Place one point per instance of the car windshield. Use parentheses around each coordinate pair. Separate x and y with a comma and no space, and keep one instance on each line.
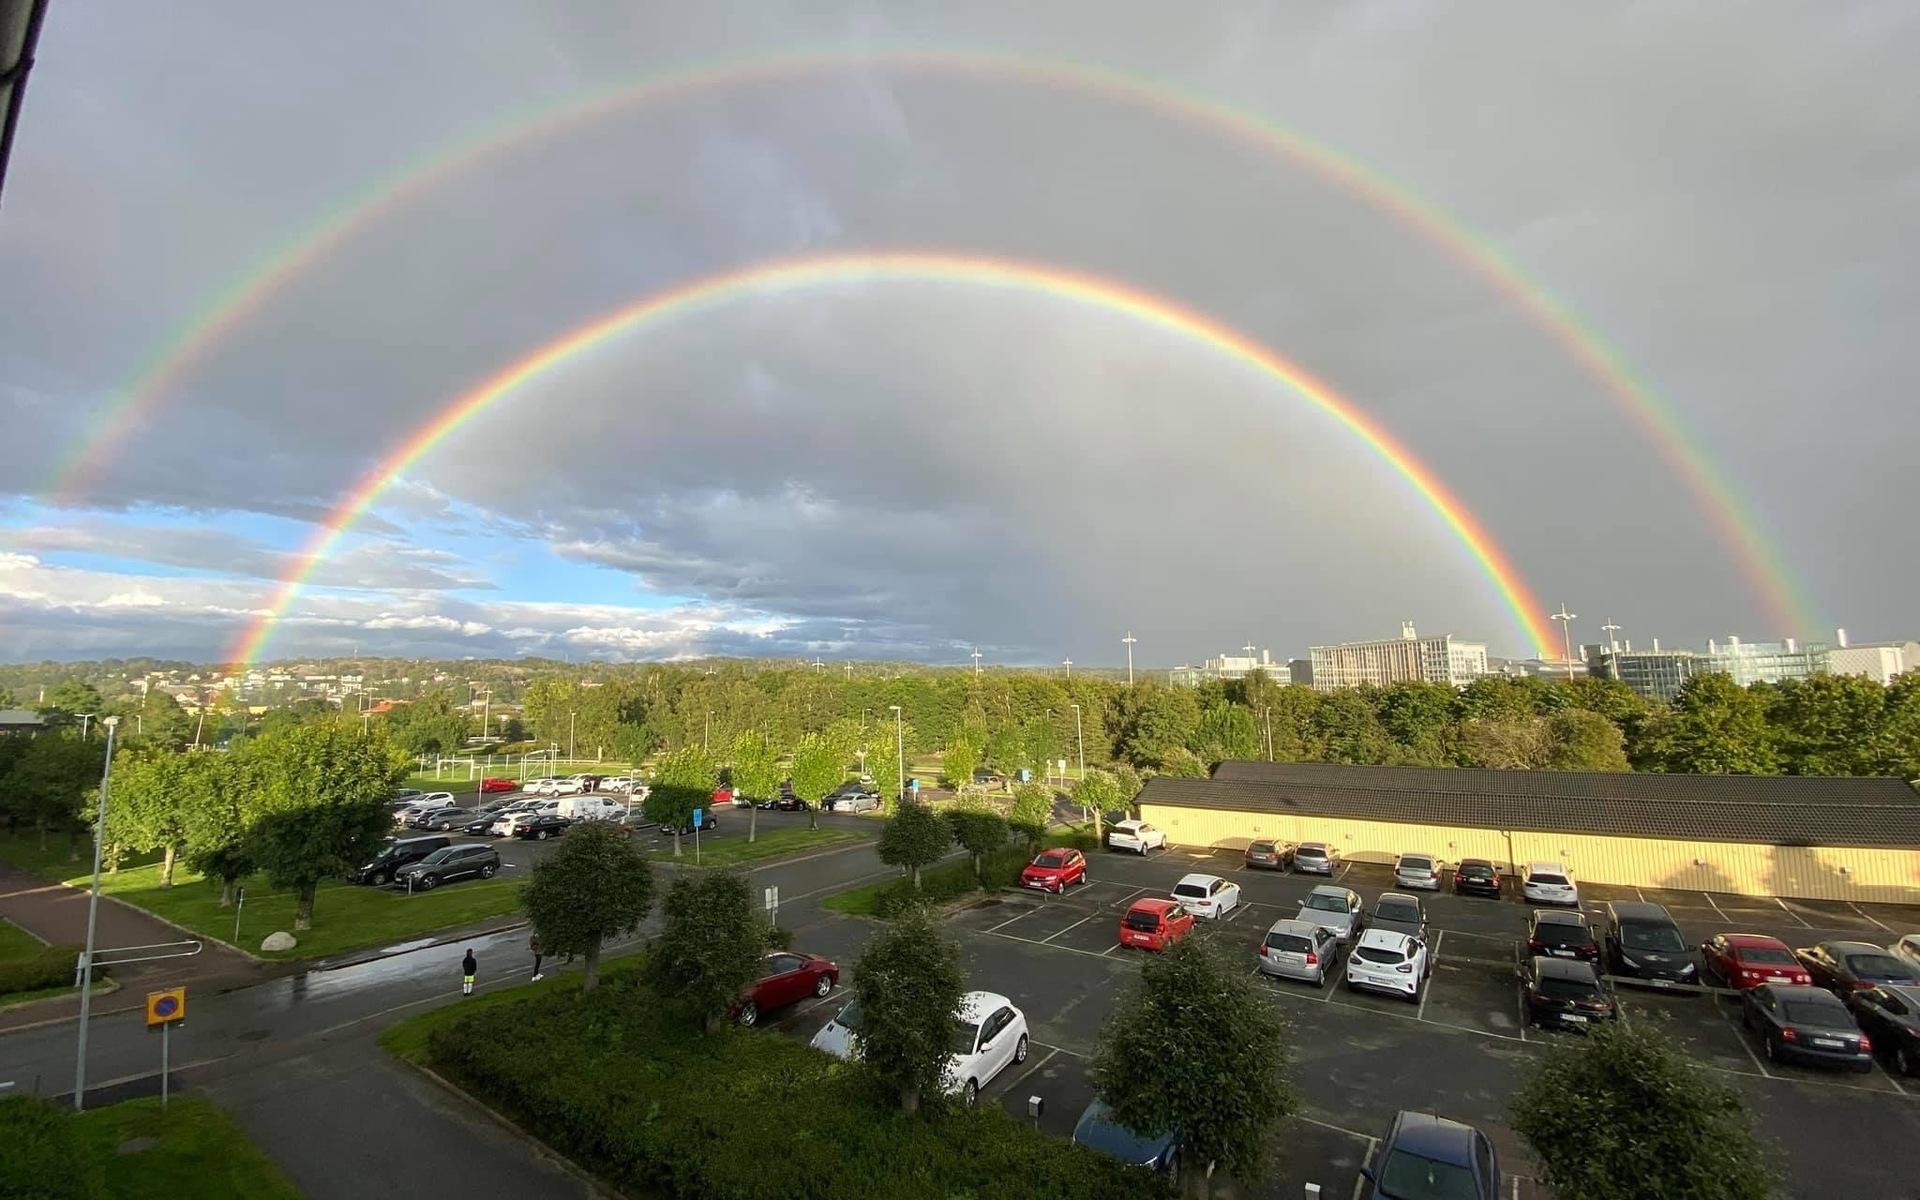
(1561,988)
(1766,956)
(1310,852)
(438,856)
(1397,910)
(1407,1176)
(1651,937)
(1549,880)
(1050,860)
(964,1037)
(1145,922)
(1877,967)
(1416,864)
(1320,902)
(1814,1012)
(1190,889)
(1472,871)
(1379,954)
(1260,848)
(1292,943)
(1553,933)
(849,1017)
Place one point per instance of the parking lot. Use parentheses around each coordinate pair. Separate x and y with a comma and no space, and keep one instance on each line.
(1360,1057)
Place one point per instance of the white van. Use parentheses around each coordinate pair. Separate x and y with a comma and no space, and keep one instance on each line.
(589,808)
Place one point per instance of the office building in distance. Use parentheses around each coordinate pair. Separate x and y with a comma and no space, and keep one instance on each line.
(1654,673)
(1443,659)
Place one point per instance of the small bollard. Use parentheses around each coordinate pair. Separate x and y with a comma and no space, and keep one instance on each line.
(1313,1191)
(1034,1105)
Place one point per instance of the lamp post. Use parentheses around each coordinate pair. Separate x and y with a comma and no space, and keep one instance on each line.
(1129,640)
(1613,646)
(900,746)
(1069,665)
(84,718)
(1080,740)
(1566,635)
(706,731)
(93,914)
(976,661)
(571,746)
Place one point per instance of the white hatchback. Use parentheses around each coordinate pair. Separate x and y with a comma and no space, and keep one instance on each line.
(1207,896)
(1549,883)
(1137,836)
(1387,961)
(992,1037)
(1417,871)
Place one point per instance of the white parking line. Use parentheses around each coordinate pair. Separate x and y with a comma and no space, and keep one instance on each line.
(1010,920)
(1740,1032)
(1428,990)
(1641,894)
(1804,924)
(1075,925)
(1521,1003)
(1890,1079)
(1026,1074)
(1352,1133)
(1867,915)
(1014,937)
(1344,868)
(1129,898)
(1716,907)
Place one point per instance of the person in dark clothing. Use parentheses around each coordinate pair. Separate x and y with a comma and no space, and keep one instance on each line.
(533,944)
(469,967)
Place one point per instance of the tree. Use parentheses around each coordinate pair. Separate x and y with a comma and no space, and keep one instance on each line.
(1417,717)
(1829,724)
(1182,763)
(819,766)
(909,983)
(1153,721)
(1098,793)
(1897,747)
(1031,812)
(1505,743)
(959,761)
(50,782)
(1345,729)
(1716,727)
(979,830)
(1625,1114)
(710,945)
(914,837)
(682,781)
(1582,740)
(325,796)
(68,699)
(1175,1054)
(148,805)
(221,803)
(595,885)
(756,774)
(1226,731)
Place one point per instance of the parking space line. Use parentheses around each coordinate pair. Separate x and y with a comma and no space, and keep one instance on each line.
(1741,1033)
(1010,920)
(1428,990)
(1642,895)
(1796,916)
(1075,925)
(1520,1002)
(1869,916)
(1344,868)
(1026,1074)
(1352,1133)
(1129,897)
(1055,1049)
(1014,937)
(1716,907)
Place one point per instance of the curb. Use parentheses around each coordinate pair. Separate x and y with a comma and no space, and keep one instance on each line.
(464,935)
(194,934)
(593,1183)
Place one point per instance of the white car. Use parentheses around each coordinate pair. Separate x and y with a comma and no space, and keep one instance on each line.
(1137,836)
(1549,883)
(992,1034)
(1907,950)
(1207,896)
(1387,961)
(542,786)
(402,813)
(508,823)
(1416,870)
(1337,908)
(840,1036)
(573,785)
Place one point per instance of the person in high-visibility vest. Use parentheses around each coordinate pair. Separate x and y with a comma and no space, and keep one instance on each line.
(469,967)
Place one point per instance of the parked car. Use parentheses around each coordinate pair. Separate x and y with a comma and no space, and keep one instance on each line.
(542,785)
(394,854)
(1271,856)
(1399,912)
(1417,871)
(480,823)
(407,796)
(510,821)
(1564,992)
(1428,1156)
(404,813)
(1386,961)
(1907,950)
(1643,944)
(1315,858)
(786,976)
(497,783)
(589,808)
(1743,960)
(1207,896)
(1548,883)
(989,781)
(541,826)
(1053,870)
(722,796)
(1843,967)
(1807,1025)
(1155,924)
(992,1037)
(787,803)
(1556,934)
(465,861)
(1337,908)
(840,1036)
(1098,1131)
(1476,877)
(708,823)
(1137,836)
(572,785)
(424,818)
(1891,1017)
(852,798)
(1296,949)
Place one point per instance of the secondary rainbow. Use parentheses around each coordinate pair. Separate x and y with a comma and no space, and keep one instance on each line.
(1736,527)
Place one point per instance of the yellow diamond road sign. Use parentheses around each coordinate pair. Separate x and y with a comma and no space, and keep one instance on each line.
(164,1008)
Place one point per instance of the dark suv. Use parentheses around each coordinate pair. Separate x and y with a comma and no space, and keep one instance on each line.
(1644,945)
(467,861)
(397,853)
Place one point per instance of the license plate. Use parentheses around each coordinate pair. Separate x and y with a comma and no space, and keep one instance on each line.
(1829,1043)
(1561,953)
(1661,983)
(1573,1018)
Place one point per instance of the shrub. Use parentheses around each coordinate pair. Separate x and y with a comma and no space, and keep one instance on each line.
(43,1159)
(52,967)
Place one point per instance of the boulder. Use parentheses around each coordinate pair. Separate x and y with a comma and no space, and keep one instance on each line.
(278,941)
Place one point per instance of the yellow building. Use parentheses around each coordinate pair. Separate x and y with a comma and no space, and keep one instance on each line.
(1822,839)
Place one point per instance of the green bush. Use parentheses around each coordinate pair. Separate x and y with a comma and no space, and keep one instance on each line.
(609,1080)
(42,1159)
(952,880)
(50,968)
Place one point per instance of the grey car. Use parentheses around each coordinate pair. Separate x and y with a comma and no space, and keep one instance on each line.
(1296,949)
(1337,908)
(1315,858)
(1399,912)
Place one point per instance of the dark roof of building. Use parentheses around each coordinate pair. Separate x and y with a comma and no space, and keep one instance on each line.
(1771,810)
(21,718)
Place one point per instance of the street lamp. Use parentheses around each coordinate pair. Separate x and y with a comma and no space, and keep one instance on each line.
(976,660)
(900,745)
(571,744)
(1080,738)
(705,731)
(93,915)
(1129,640)
(1613,645)
(84,718)
(1566,635)
(1069,665)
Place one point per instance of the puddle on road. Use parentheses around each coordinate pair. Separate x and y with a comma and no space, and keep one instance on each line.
(403,947)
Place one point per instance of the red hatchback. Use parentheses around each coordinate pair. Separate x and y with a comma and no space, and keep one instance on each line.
(1053,870)
(1155,924)
(786,976)
(494,783)
(1747,960)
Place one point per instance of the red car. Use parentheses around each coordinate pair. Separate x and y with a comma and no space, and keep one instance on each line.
(494,783)
(1053,870)
(1747,960)
(786,976)
(1155,924)
(722,796)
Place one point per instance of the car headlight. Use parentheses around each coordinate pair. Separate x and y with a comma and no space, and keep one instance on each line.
(1687,970)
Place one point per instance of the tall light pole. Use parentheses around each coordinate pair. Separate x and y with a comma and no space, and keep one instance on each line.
(900,746)
(1613,645)
(571,747)
(1566,634)
(84,718)
(976,661)
(1129,640)
(849,667)
(93,915)
(706,731)
(1069,665)
(1080,738)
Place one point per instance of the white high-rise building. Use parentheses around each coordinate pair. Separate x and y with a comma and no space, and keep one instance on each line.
(1443,659)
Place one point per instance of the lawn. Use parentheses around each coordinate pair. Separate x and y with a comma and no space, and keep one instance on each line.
(200,1152)
(16,943)
(770,843)
(345,917)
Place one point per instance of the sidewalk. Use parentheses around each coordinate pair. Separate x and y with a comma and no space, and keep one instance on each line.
(57,914)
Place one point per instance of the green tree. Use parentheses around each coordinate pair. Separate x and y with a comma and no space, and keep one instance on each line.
(819,766)
(909,983)
(959,761)
(1896,749)
(682,781)
(1031,812)
(1345,729)
(914,837)
(148,806)
(1226,731)
(1417,716)
(325,804)
(595,885)
(1716,727)
(68,699)
(1625,1113)
(50,782)
(1098,793)
(979,830)
(756,774)
(635,740)
(1504,742)
(1829,724)
(1182,763)
(221,798)
(1175,1054)
(1154,721)
(711,945)
(1582,740)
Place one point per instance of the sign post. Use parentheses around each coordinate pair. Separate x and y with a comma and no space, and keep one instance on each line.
(698,813)
(773,904)
(164,1009)
(239,902)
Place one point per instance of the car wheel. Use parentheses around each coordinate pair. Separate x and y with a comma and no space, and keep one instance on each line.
(823,985)
(1172,1163)
(1020,1049)
(540,835)
(427,883)
(972,1094)
(749,1013)
(1773,1050)
(487,871)
(381,879)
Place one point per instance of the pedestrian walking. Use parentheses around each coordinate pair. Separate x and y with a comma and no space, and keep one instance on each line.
(469,967)
(533,944)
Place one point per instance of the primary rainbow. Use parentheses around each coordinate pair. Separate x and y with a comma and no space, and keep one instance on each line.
(910,266)
(1737,528)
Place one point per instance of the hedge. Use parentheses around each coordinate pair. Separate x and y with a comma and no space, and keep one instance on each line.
(953,879)
(52,967)
(608,1080)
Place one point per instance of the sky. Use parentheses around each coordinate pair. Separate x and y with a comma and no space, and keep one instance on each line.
(900,468)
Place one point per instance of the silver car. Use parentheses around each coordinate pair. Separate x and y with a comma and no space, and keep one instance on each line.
(1315,858)
(1337,908)
(1399,912)
(1295,949)
(1417,870)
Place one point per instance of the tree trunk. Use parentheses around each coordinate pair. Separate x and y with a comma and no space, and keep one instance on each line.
(977,876)
(591,977)
(753,821)
(43,834)
(226,893)
(813,815)
(909,1100)
(1096,825)
(676,843)
(916,877)
(166,869)
(303,909)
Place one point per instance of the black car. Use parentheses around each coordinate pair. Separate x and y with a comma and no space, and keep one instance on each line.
(1565,993)
(1843,967)
(1805,1024)
(1890,1015)
(1557,933)
(542,827)
(1644,945)
(708,822)
(480,820)
(444,817)
(394,854)
(1398,912)
(466,861)
(1476,877)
